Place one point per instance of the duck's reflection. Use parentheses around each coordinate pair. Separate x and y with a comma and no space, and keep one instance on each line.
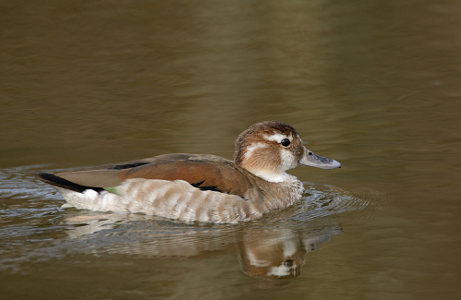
(269,251)
(279,252)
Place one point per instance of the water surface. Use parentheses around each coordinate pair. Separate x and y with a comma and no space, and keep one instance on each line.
(373,84)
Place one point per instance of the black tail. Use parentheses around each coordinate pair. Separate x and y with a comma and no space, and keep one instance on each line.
(63,183)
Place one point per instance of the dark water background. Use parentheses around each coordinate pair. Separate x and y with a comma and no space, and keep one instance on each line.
(373,84)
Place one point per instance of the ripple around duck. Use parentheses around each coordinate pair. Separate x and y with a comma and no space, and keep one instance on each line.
(17,183)
(24,200)
(325,200)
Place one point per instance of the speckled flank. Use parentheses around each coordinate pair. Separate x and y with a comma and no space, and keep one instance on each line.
(177,200)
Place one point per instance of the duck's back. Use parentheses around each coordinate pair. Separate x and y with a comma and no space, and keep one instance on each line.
(203,171)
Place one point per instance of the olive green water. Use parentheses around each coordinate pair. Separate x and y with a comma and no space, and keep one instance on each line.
(373,84)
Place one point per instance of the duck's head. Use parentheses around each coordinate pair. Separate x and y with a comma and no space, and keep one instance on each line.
(268,149)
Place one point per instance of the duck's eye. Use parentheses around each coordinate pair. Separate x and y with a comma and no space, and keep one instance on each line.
(288,263)
(285,142)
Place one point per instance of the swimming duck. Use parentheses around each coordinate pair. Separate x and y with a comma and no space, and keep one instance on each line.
(199,187)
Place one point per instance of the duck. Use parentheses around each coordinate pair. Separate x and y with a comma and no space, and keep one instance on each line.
(202,188)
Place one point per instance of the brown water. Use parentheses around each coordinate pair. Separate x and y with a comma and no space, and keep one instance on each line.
(373,84)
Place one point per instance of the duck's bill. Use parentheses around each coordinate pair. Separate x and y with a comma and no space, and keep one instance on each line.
(314,160)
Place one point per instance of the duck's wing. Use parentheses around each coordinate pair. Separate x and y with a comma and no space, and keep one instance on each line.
(206,172)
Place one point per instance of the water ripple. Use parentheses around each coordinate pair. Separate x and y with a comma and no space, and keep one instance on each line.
(325,200)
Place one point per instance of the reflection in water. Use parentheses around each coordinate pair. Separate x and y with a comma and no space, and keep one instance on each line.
(279,252)
(271,251)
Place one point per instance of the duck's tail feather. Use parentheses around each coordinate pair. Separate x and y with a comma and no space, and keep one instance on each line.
(64,183)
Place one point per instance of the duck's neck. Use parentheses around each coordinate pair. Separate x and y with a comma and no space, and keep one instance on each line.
(275,177)
(267,172)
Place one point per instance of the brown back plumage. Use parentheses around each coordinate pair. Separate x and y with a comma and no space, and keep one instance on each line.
(206,172)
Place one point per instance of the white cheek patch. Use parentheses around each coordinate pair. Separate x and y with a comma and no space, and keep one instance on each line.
(251,149)
(288,160)
(277,137)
